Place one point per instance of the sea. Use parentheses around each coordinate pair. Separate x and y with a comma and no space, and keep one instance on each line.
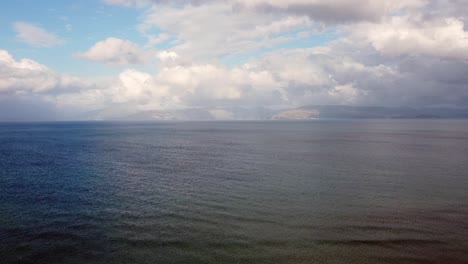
(319,191)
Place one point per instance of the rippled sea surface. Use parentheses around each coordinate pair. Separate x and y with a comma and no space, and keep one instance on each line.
(376,191)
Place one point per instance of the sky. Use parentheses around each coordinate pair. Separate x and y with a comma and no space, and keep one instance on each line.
(62,59)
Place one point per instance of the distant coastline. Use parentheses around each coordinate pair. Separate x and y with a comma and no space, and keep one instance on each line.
(311,112)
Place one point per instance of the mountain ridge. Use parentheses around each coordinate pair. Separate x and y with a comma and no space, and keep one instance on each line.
(301,113)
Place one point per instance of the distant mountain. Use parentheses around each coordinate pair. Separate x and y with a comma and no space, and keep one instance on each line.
(351,112)
(125,113)
(202,114)
(297,114)
(195,114)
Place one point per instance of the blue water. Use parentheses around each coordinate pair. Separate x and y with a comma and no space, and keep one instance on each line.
(336,191)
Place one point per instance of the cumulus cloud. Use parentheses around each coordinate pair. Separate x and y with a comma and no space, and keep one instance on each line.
(392,53)
(35,35)
(116,51)
(414,35)
(247,26)
(25,75)
(215,30)
(29,90)
(334,11)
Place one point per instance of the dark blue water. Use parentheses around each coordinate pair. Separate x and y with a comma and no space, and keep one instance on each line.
(378,191)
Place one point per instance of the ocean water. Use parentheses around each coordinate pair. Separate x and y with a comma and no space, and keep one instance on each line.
(325,191)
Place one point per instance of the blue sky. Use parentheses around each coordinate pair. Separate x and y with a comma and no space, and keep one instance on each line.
(90,21)
(80,24)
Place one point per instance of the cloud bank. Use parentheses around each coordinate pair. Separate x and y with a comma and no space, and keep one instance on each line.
(388,53)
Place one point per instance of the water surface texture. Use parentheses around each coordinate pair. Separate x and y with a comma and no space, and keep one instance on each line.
(374,191)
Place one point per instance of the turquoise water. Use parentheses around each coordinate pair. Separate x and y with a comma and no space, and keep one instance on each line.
(336,191)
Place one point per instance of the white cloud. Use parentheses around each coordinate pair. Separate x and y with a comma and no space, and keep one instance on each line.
(35,35)
(387,53)
(32,90)
(167,55)
(336,11)
(30,76)
(116,51)
(132,85)
(210,31)
(414,35)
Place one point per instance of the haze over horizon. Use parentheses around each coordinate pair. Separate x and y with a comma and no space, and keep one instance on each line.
(60,60)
